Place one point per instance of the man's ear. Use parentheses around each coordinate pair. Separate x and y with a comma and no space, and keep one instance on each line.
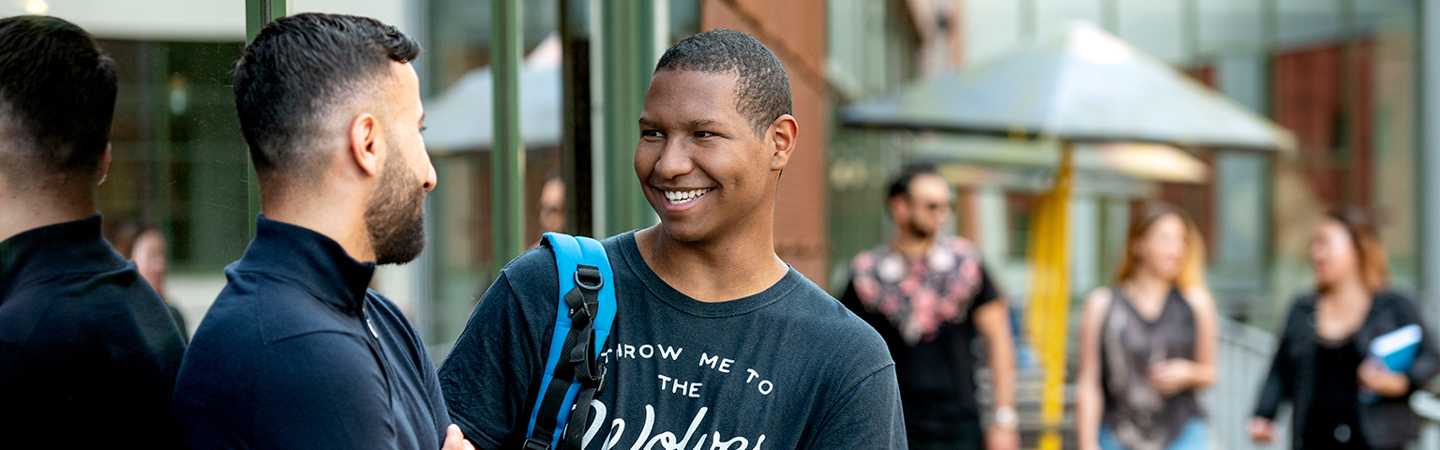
(104,165)
(783,133)
(899,207)
(364,140)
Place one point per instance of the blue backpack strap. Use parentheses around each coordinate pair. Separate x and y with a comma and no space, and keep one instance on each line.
(583,318)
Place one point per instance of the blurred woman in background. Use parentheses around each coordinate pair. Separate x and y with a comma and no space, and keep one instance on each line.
(1149,342)
(145,246)
(1342,398)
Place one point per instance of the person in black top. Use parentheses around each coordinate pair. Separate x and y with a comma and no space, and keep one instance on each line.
(81,335)
(296,352)
(928,294)
(1149,343)
(717,343)
(1343,397)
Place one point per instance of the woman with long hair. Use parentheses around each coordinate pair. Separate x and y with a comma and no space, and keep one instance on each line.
(1148,343)
(1344,398)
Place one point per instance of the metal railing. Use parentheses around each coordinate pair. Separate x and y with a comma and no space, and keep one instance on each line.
(1243,362)
(1427,406)
(1245,354)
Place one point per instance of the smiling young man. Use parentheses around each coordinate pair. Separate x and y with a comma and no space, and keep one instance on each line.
(296,352)
(717,344)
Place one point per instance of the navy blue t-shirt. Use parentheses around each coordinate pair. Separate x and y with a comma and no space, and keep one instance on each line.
(88,352)
(788,368)
(297,353)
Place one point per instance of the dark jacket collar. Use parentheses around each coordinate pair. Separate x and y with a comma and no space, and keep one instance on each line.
(317,263)
(54,250)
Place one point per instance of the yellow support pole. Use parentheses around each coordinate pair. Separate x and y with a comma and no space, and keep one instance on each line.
(1049,307)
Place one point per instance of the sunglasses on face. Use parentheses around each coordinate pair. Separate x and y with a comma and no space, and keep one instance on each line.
(932,206)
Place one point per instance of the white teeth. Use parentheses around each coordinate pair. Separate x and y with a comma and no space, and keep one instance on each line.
(682,197)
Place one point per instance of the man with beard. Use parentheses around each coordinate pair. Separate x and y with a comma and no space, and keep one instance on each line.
(927,294)
(716,342)
(81,334)
(296,351)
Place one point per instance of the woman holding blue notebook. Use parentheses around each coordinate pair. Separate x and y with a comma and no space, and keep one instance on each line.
(1351,352)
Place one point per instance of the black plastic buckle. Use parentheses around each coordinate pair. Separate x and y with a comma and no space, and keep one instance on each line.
(534,443)
(588,278)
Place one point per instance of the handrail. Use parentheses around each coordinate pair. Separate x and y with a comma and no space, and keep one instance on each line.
(1426,405)
(1243,361)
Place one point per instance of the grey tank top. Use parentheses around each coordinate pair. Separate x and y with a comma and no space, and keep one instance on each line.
(1141,418)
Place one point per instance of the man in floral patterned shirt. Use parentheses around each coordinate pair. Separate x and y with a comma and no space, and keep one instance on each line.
(928,295)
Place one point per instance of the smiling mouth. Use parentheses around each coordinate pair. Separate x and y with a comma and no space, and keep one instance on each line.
(683,197)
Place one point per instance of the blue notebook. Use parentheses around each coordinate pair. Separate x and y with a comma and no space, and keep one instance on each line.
(1397,348)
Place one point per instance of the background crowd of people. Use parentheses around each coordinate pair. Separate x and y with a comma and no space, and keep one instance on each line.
(297,349)
(1148,343)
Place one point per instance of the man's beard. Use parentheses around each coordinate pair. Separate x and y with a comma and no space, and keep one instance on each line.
(395,218)
(917,230)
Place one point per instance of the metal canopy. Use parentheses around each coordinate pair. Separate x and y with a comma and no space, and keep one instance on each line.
(1084,85)
(1138,161)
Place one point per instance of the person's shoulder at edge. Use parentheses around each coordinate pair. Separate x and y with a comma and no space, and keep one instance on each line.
(91,301)
(530,287)
(256,329)
(1295,321)
(828,320)
(1400,305)
(853,358)
(1097,302)
(228,339)
(312,387)
(254,310)
(395,315)
(1392,296)
(1303,303)
(87,284)
(960,244)
(535,271)
(237,307)
(1199,299)
(393,312)
(532,270)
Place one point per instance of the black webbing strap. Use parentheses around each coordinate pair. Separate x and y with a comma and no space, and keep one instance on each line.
(579,364)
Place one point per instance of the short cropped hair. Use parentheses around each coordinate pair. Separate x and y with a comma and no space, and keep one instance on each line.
(762,90)
(297,70)
(900,185)
(57,97)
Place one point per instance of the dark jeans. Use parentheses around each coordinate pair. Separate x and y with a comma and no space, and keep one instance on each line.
(972,437)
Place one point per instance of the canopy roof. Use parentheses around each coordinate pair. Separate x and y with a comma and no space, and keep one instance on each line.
(1085,85)
(462,118)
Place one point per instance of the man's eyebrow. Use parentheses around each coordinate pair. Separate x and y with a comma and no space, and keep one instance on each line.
(697,123)
(422,118)
(703,123)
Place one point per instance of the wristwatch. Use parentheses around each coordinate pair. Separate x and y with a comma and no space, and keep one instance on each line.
(1005,418)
